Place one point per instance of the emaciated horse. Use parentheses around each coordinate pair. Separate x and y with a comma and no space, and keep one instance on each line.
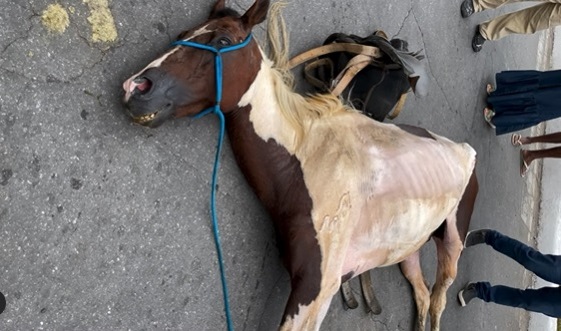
(346,193)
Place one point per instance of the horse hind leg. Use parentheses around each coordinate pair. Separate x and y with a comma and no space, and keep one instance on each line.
(448,249)
(411,269)
(465,208)
(449,244)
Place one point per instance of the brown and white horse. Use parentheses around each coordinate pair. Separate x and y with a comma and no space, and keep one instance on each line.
(346,193)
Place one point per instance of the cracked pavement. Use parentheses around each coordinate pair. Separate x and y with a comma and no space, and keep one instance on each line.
(105,225)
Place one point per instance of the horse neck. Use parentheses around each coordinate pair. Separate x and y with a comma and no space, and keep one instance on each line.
(263,141)
(266,165)
(269,122)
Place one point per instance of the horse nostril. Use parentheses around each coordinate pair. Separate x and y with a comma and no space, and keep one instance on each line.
(143,85)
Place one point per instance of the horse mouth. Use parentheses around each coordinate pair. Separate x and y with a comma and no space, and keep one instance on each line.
(145,119)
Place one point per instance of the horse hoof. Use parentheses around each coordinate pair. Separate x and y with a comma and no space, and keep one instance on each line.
(348,296)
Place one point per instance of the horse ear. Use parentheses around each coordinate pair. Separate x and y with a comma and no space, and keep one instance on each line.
(218,6)
(256,14)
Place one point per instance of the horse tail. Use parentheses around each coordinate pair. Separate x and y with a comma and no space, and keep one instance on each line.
(278,41)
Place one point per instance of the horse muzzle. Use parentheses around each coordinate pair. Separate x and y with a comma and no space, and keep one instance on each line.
(151,97)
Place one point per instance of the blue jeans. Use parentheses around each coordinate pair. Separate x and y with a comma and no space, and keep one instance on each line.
(545,300)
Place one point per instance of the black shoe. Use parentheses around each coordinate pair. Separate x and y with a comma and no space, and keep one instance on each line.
(475,237)
(477,41)
(467,294)
(466,8)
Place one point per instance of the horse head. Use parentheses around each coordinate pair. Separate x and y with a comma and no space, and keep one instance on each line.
(183,81)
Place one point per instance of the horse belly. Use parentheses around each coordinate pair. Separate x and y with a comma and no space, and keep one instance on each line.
(387,235)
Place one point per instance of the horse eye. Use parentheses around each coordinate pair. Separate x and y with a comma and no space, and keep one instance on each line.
(224,41)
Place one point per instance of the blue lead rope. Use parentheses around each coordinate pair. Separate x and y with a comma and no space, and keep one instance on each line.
(218,112)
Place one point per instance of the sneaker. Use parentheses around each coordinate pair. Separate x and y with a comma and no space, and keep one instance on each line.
(467,294)
(475,237)
(466,8)
(477,41)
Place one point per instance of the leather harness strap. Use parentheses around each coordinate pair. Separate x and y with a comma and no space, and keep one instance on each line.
(353,67)
(335,47)
(311,78)
(365,56)
(398,106)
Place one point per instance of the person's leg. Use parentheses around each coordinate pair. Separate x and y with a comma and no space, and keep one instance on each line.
(547,267)
(525,21)
(546,138)
(544,300)
(481,5)
(530,155)
(468,7)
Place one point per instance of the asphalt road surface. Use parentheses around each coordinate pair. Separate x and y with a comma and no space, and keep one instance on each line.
(105,225)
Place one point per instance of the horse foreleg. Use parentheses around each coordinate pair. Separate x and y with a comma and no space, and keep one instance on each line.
(312,287)
(309,316)
(329,248)
(411,269)
(448,248)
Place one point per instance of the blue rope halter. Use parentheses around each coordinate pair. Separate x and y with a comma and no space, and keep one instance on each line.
(218,112)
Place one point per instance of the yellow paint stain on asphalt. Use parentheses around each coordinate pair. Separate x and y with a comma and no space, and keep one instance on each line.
(55,18)
(101,21)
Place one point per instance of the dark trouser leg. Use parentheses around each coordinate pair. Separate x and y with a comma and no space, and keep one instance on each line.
(544,300)
(547,267)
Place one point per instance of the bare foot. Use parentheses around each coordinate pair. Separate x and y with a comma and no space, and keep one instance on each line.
(524,163)
(488,114)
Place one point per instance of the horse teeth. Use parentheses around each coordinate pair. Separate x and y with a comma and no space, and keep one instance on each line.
(145,118)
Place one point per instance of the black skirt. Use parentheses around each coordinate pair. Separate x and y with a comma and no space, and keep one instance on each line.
(524,98)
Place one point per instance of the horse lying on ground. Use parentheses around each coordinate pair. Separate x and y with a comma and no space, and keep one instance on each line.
(346,193)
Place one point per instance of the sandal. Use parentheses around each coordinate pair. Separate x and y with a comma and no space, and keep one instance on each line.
(490,89)
(523,165)
(488,115)
(516,139)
